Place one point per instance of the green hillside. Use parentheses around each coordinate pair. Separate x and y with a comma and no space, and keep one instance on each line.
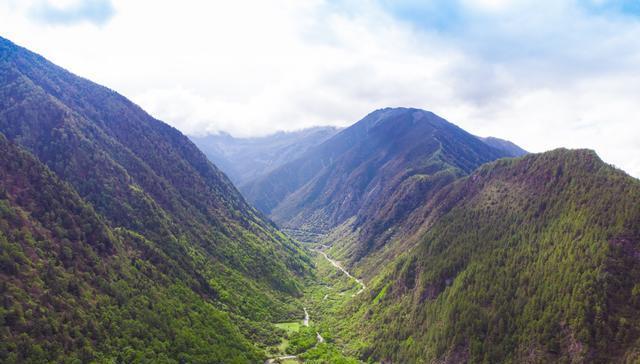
(534,259)
(75,290)
(179,233)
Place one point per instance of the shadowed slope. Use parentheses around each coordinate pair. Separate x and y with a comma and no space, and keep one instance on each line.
(146,178)
(369,178)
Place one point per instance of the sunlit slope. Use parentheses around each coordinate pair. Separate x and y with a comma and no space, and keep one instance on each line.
(535,259)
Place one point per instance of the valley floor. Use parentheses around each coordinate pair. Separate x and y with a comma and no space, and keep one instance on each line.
(315,338)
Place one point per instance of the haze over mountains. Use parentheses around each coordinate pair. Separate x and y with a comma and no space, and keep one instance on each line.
(121,242)
(246,159)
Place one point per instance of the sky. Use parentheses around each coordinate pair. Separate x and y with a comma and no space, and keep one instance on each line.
(543,74)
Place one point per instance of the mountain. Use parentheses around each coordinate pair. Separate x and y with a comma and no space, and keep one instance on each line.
(535,259)
(374,172)
(75,289)
(121,242)
(127,213)
(246,159)
(506,146)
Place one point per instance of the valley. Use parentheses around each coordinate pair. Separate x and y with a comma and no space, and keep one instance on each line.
(339,266)
(399,239)
(332,288)
(450,234)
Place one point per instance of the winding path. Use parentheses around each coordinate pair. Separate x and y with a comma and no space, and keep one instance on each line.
(305,322)
(337,264)
(306,319)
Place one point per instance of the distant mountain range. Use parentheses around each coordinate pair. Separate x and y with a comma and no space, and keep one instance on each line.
(246,159)
(504,145)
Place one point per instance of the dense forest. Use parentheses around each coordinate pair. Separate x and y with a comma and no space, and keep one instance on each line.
(135,244)
(529,260)
(75,290)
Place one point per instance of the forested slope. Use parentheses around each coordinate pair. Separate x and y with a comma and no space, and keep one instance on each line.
(171,210)
(75,289)
(535,259)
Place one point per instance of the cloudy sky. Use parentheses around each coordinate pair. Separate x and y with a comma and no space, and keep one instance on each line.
(543,74)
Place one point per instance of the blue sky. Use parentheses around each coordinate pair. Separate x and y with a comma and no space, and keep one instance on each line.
(450,16)
(94,11)
(542,73)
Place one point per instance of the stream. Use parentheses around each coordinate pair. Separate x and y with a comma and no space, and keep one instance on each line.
(306,319)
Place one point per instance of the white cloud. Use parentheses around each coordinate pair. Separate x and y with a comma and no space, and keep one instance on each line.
(543,74)
(490,5)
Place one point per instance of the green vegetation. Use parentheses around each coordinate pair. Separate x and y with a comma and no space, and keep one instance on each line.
(289,327)
(301,340)
(530,260)
(119,240)
(74,290)
(367,170)
(325,294)
(286,330)
(326,353)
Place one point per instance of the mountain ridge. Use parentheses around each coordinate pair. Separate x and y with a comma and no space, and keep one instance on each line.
(509,147)
(369,176)
(177,212)
(57,251)
(476,286)
(121,242)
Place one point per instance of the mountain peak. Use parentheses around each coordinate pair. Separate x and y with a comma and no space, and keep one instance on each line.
(364,165)
(548,166)
(5,41)
(399,120)
(528,233)
(394,112)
